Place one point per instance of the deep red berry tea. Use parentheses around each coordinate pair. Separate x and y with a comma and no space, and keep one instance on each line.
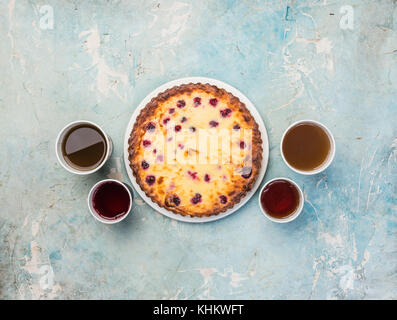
(111,200)
(280,198)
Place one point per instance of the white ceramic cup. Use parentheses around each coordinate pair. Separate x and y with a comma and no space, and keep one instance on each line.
(331,153)
(58,147)
(95,213)
(293,215)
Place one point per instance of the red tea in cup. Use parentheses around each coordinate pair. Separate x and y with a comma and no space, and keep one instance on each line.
(110,200)
(280,198)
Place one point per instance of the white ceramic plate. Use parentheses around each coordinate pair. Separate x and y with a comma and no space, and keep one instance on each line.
(254,113)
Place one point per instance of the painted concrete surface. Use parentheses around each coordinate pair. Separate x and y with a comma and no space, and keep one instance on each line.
(293,59)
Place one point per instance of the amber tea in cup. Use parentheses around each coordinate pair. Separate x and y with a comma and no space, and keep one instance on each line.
(307,147)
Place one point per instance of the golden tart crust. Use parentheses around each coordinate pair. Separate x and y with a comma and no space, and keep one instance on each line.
(194,188)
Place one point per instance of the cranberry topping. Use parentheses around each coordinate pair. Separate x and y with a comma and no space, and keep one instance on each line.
(247,171)
(178,128)
(213,124)
(192,129)
(197,101)
(226,112)
(150,180)
(183,119)
(180,145)
(175,200)
(166,120)
(146,143)
(171,110)
(144,165)
(193,175)
(236,127)
(181,103)
(223,199)
(207,177)
(150,126)
(196,199)
(242,144)
(213,102)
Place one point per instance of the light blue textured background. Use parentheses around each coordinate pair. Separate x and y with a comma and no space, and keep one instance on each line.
(291,58)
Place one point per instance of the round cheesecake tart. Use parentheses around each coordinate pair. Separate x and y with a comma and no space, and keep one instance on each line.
(195,150)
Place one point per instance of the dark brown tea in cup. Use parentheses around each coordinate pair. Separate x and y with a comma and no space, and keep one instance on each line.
(306,146)
(84,147)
